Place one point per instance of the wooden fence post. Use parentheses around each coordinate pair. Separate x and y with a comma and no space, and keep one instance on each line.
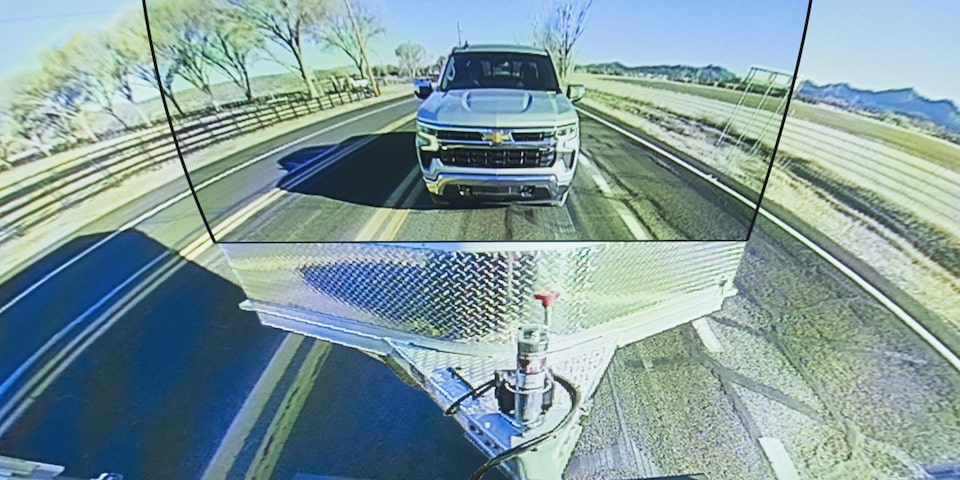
(256,113)
(276,113)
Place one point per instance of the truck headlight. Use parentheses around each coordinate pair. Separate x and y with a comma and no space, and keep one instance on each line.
(568,137)
(568,131)
(421,128)
(427,138)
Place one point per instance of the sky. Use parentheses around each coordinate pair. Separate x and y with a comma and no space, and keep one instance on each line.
(877,44)
(884,44)
(26,28)
(633,32)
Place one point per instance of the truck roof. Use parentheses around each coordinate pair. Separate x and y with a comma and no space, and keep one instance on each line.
(500,49)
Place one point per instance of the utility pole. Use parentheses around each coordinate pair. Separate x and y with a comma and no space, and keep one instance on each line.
(459,35)
(363,49)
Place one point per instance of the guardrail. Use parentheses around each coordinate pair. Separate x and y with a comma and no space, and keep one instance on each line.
(30,202)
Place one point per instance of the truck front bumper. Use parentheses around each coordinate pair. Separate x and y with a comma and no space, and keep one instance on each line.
(492,188)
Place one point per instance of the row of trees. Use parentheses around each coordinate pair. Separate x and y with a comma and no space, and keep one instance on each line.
(193,40)
(93,76)
(194,37)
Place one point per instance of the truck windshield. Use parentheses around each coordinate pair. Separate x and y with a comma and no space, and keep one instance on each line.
(499,70)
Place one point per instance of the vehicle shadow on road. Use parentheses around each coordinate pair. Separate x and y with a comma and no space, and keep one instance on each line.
(157,384)
(382,172)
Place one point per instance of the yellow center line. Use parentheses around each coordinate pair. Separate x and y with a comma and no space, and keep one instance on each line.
(384,225)
(282,423)
(195,248)
(392,228)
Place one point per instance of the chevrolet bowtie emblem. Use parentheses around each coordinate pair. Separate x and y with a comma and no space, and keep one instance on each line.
(498,136)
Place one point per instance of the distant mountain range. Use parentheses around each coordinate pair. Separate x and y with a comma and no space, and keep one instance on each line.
(708,74)
(904,101)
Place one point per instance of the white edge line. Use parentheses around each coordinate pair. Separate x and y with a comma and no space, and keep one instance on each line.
(140,219)
(899,312)
(202,242)
(91,248)
(602,184)
(674,158)
(626,216)
(68,355)
(707,336)
(63,331)
(636,229)
(190,252)
(776,453)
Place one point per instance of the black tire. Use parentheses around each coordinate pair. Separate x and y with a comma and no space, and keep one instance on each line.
(438,200)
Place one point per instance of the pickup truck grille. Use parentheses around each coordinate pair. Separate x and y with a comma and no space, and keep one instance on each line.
(531,136)
(498,158)
(459,135)
(462,135)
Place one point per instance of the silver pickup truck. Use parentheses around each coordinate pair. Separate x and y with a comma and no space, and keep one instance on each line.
(498,128)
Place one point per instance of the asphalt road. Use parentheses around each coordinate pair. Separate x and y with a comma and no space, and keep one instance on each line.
(136,360)
(170,361)
(360,181)
(166,365)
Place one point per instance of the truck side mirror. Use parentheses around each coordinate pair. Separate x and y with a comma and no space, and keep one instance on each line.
(576,92)
(423,91)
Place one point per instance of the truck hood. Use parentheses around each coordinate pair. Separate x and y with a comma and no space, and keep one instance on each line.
(497,108)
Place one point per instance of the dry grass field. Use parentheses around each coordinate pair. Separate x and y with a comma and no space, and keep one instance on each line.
(888,195)
(809,358)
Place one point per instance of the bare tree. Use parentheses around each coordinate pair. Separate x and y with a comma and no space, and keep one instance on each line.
(129,43)
(559,30)
(412,57)
(49,99)
(233,41)
(348,29)
(7,137)
(181,38)
(288,23)
(31,126)
(20,121)
(83,65)
(120,69)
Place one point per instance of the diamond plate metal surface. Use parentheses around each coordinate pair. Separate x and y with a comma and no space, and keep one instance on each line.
(477,296)
(445,316)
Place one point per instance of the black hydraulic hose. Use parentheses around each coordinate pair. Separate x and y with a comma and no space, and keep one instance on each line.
(476,392)
(522,448)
